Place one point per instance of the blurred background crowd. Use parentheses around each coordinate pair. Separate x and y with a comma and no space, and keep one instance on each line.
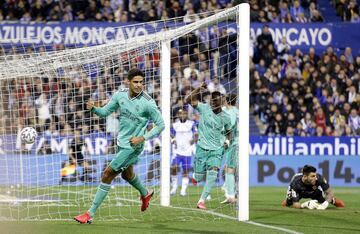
(292,92)
(276,11)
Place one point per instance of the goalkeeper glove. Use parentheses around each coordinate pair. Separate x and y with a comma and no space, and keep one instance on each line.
(323,205)
(313,204)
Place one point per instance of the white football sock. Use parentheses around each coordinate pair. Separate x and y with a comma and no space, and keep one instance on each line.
(184,185)
(174,183)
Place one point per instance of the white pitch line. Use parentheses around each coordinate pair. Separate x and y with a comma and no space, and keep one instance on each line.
(212,213)
(219,215)
(273,227)
(233,218)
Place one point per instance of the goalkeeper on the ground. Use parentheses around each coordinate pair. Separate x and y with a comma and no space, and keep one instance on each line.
(136,109)
(309,184)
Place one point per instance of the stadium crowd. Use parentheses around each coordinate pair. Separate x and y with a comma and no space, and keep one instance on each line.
(264,11)
(293,93)
(348,10)
(305,93)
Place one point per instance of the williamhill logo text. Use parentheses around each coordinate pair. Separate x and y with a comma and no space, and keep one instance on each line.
(304,146)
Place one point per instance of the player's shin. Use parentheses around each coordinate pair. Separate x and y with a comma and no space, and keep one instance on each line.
(211,176)
(100,195)
(184,185)
(136,183)
(174,184)
(230,184)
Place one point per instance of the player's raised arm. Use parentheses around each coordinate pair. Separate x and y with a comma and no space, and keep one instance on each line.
(192,98)
(106,110)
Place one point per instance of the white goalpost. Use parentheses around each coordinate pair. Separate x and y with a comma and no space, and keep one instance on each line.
(243,104)
(166,107)
(46,87)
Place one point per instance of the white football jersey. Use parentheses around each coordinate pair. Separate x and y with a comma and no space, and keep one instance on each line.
(183,133)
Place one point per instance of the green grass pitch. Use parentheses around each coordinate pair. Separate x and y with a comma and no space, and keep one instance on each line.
(126,218)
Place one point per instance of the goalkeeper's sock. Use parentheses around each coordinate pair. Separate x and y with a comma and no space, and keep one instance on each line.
(210,182)
(100,195)
(136,183)
(184,185)
(230,184)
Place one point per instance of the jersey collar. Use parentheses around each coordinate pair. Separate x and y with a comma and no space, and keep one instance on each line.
(135,96)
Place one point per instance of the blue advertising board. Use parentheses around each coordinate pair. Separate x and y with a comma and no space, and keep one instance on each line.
(278,170)
(303,36)
(273,160)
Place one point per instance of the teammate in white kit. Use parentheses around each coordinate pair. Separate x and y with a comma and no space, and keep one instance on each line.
(183,137)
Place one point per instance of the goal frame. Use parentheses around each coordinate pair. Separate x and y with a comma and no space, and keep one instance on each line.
(243,28)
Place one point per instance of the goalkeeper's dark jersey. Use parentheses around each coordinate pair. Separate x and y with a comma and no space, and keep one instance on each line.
(298,189)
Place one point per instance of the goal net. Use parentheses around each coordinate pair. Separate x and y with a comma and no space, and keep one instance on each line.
(47,87)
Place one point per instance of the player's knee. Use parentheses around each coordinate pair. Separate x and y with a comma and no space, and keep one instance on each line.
(126,175)
(107,175)
(230,170)
(199,176)
(173,170)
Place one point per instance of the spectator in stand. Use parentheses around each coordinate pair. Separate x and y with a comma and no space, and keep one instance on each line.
(175,10)
(292,70)
(263,41)
(348,55)
(351,11)
(296,9)
(55,13)
(274,17)
(337,120)
(300,18)
(91,10)
(43,105)
(215,85)
(190,16)
(192,68)
(284,10)
(316,17)
(354,122)
(283,49)
(320,119)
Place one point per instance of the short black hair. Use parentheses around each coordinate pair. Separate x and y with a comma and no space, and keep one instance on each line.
(135,72)
(216,94)
(231,99)
(307,169)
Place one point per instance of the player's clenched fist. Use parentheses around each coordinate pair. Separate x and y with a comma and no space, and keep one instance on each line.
(90,104)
